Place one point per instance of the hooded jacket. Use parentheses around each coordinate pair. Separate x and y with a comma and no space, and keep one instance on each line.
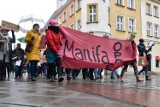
(35,53)
(54,38)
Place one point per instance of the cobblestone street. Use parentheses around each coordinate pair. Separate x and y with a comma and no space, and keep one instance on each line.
(80,93)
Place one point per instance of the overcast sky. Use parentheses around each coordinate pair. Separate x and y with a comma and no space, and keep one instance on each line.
(13,10)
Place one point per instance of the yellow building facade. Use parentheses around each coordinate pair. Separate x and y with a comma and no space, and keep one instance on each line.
(125,18)
(69,15)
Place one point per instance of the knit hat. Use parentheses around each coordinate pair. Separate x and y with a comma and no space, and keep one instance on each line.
(133,35)
(53,22)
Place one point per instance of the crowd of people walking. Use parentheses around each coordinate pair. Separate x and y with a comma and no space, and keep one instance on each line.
(18,60)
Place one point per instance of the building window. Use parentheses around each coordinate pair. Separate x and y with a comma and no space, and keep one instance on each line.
(148,9)
(131,4)
(78,4)
(79,24)
(71,10)
(156,30)
(92,13)
(72,26)
(149,29)
(120,2)
(59,20)
(64,16)
(132,27)
(120,23)
(155,11)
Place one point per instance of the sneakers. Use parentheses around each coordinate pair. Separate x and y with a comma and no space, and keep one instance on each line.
(60,79)
(120,79)
(52,79)
(139,79)
(68,78)
(33,79)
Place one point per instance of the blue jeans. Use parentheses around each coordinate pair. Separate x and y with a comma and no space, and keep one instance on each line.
(18,71)
(114,72)
(33,68)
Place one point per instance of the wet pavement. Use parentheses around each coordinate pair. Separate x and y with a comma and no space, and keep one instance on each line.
(80,93)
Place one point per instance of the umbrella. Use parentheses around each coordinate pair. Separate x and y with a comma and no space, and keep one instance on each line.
(22,40)
(27,22)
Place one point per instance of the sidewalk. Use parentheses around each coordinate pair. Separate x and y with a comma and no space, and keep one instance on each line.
(80,93)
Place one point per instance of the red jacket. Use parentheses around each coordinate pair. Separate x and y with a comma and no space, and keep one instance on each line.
(134,49)
(54,40)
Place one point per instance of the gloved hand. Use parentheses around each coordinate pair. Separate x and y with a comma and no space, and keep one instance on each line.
(32,38)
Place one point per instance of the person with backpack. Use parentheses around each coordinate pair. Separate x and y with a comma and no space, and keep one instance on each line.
(144,52)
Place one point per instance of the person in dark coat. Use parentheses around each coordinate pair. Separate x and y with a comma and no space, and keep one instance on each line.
(144,52)
(18,57)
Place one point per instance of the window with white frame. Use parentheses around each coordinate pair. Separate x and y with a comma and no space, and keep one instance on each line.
(148,8)
(71,10)
(120,2)
(149,29)
(156,30)
(59,20)
(155,11)
(79,24)
(92,13)
(78,4)
(64,16)
(131,25)
(72,26)
(131,4)
(120,23)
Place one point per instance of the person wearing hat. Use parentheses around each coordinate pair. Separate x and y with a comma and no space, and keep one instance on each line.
(143,52)
(133,63)
(54,42)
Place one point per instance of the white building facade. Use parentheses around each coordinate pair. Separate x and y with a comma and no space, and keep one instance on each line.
(95,17)
(150,16)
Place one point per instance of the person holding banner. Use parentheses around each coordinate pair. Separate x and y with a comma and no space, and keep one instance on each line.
(5,52)
(54,42)
(133,63)
(143,52)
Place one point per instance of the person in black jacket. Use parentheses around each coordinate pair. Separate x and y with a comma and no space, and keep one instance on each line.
(144,52)
(18,57)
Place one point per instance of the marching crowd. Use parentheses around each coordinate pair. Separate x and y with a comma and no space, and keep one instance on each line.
(18,59)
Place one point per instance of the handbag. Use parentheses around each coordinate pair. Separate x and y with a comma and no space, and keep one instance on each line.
(29,47)
(142,61)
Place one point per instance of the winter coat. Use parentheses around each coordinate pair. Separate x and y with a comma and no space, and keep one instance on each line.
(54,38)
(19,53)
(35,53)
(6,48)
(141,49)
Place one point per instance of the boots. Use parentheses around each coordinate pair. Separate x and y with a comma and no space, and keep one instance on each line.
(148,79)
(112,77)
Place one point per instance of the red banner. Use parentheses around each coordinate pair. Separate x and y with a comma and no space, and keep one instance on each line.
(83,50)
